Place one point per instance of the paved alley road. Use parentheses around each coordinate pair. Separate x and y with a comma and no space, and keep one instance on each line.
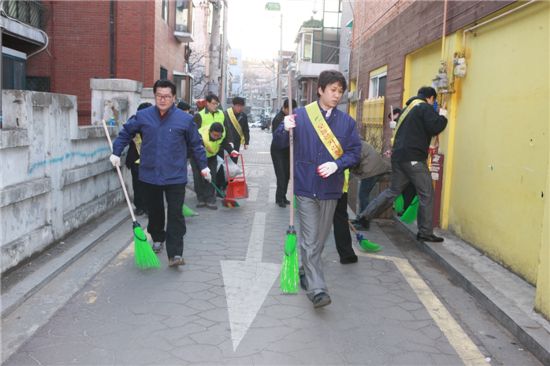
(224,307)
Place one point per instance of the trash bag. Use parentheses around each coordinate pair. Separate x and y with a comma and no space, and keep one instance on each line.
(233,169)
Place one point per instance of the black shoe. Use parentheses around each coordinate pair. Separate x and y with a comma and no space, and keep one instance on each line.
(287,201)
(361,224)
(349,260)
(320,300)
(430,238)
(281,204)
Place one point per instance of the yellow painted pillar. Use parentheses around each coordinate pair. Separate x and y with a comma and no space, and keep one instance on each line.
(542,298)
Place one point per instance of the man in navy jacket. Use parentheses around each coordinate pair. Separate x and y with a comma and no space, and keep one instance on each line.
(319,173)
(167,134)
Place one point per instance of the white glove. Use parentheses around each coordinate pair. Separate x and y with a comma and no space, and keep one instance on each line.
(206,174)
(327,169)
(115,160)
(289,122)
(443,112)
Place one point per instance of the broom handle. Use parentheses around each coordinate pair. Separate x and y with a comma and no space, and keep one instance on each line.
(291,148)
(119,173)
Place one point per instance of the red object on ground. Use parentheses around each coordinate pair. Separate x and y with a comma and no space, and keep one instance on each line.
(236,186)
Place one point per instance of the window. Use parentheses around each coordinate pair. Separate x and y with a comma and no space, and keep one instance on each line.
(164,14)
(182,16)
(307,46)
(377,87)
(13,69)
(163,73)
(38,83)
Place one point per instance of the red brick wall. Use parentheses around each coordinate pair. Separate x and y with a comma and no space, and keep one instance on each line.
(169,53)
(135,37)
(78,49)
(403,26)
(79,46)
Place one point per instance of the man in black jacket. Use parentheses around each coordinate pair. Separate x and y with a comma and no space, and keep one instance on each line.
(236,124)
(418,123)
(281,158)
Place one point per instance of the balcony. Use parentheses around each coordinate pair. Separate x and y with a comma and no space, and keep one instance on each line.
(22,22)
(182,33)
(27,11)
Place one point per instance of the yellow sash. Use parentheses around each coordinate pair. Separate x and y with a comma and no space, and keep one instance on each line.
(323,130)
(413,104)
(236,124)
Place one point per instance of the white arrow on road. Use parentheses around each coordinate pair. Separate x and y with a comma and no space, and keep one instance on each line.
(248,282)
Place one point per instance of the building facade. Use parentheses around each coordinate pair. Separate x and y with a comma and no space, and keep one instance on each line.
(493,182)
(138,40)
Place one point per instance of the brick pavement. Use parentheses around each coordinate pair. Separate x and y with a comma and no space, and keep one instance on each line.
(167,316)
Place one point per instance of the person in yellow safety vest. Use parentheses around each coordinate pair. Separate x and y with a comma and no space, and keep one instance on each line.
(214,138)
(206,116)
(340,222)
(210,113)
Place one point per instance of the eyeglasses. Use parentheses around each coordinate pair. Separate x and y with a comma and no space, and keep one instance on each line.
(214,103)
(163,97)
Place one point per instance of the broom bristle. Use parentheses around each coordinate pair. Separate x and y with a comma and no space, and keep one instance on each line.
(289,270)
(411,212)
(369,246)
(145,258)
(398,204)
(188,212)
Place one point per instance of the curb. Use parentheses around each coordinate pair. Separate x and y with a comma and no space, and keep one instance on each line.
(525,328)
(24,289)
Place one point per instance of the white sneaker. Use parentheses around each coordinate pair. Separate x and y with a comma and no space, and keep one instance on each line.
(157,246)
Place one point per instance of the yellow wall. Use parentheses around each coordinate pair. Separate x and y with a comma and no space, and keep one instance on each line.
(496,145)
(501,148)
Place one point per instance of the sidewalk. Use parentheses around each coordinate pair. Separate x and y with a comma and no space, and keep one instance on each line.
(503,294)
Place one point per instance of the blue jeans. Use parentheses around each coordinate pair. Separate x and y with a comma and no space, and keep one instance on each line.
(365,187)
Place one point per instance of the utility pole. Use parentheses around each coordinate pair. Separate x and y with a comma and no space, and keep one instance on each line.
(214,50)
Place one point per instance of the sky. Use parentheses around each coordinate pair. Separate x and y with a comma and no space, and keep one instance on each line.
(256,31)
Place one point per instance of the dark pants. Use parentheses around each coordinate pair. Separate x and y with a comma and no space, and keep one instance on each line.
(281,164)
(408,195)
(175,229)
(204,190)
(137,185)
(403,173)
(365,187)
(340,223)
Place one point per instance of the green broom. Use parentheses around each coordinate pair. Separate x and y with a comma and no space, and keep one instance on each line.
(144,256)
(365,244)
(399,204)
(187,212)
(289,269)
(411,212)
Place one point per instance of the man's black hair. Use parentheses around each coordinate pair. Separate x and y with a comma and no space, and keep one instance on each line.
(395,111)
(164,84)
(294,104)
(426,92)
(210,97)
(184,106)
(216,127)
(328,77)
(238,101)
(144,105)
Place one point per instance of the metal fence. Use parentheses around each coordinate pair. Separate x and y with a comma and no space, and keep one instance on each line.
(30,12)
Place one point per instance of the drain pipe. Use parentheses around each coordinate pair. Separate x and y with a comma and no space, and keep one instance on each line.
(492,20)
(112,65)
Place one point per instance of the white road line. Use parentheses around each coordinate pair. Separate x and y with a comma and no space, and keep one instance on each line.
(463,345)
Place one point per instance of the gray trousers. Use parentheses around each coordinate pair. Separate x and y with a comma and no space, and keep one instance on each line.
(315,217)
(403,172)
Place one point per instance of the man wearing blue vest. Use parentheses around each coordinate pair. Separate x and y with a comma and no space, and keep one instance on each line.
(326,143)
(167,135)
(418,123)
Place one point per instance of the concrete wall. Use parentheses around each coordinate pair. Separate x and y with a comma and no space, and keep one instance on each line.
(55,175)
